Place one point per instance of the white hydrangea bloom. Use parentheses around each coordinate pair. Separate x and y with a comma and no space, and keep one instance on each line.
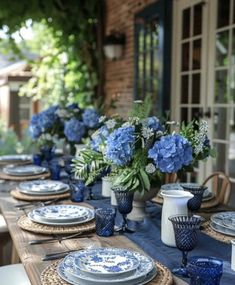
(200,137)
(127,124)
(62,113)
(147,132)
(102,119)
(150,168)
(110,123)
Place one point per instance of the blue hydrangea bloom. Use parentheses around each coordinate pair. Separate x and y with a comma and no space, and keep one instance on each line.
(74,130)
(73,106)
(34,127)
(120,145)
(171,153)
(154,124)
(99,137)
(90,118)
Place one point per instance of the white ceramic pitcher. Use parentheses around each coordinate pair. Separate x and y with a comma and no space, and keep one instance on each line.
(174,203)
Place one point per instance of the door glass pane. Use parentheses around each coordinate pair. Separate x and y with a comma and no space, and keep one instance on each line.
(233,51)
(233,11)
(221,90)
(148,37)
(220,160)
(223,13)
(196,114)
(232,84)
(197,21)
(141,40)
(184,89)
(196,88)
(186,24)
(185,56)
(220,123)
(222,40)
(197,54)
(184,115)
(231,150)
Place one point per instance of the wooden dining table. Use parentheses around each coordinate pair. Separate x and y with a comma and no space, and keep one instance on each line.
(31,255)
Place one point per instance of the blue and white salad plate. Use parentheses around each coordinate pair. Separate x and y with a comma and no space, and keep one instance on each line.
(65,215)
(144,273)
(106,262)
(222,230)
(23,170)
(224,222)
(43,187)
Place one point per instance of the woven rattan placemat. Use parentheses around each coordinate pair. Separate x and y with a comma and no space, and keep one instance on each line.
(50,277)
(218,236)
(23,178)
(26,224)
(20,196)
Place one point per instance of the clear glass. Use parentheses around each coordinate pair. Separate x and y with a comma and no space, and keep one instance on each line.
(186,24)
(222,47)
(184,89)
(223,13)
(221,86)
(197,21)
(196,86)
(197,54)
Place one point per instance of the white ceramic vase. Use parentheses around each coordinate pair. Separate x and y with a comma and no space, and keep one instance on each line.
(138,212)
(113,198)
(174,203)
(106,186)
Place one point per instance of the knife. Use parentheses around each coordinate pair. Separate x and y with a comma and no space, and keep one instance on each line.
(59,239)
(57,255)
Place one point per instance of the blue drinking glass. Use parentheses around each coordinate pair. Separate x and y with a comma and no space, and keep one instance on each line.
(204,270)
(185,229)
(197,190)
(77,190)
(37,159)
(105,220)
(47,152)
(124,204)
(55,169)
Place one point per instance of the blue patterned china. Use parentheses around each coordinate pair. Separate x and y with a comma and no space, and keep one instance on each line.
(142,275)
(11,158)
(43,187)
(222,230)
(185,229)
(88,217)
(229,223)
(205,270)
(104,221)
(23,170)
(107,262)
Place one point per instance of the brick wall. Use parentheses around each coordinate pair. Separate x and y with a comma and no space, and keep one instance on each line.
(119,74)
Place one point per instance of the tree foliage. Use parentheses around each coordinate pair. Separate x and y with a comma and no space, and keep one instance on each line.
(62,27)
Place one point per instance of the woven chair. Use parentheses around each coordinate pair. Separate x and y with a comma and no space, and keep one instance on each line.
(221,186)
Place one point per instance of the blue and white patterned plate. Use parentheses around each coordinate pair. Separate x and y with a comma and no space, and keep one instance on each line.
(222,230)
(143,274)
(224,220)
(15,158)
(106,262)
(207,195)
(43,187)
(86,218)
(23,170)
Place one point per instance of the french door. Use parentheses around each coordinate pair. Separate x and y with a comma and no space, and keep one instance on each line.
(204,74)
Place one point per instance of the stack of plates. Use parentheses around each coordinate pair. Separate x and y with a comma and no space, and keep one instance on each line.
(224,223)
(43,187)
(61,215)
(15,158)
(107,266)
(207,195)
(24,170)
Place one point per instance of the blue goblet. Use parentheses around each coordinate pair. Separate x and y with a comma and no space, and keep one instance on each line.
(205,270)
(197,190)
(124,204)
(185,229)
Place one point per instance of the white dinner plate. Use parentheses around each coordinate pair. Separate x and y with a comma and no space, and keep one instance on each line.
(222,230)
(143,274)
(43,187)
(15,158)
(222,219)
(24,170)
